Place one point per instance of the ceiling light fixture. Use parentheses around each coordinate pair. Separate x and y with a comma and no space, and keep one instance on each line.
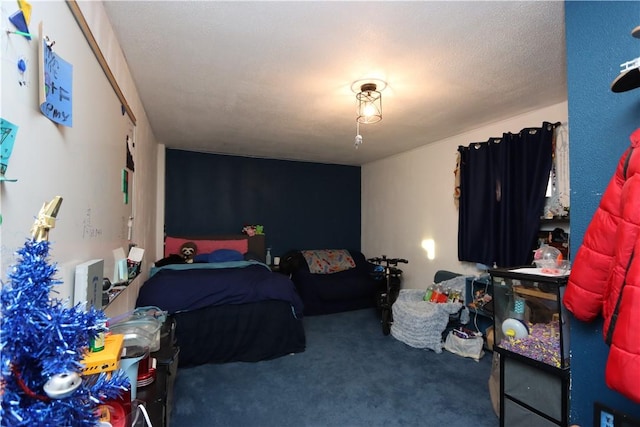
(369,106)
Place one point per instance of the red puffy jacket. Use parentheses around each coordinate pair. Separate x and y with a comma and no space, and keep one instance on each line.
(605,276)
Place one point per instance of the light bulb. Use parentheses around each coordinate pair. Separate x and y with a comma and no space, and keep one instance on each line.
(369,110)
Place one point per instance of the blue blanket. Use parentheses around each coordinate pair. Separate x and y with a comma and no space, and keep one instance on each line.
(186,287)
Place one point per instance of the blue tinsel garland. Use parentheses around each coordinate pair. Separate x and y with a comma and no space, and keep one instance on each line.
(40,337)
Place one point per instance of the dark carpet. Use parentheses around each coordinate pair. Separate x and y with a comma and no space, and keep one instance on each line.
(349,375)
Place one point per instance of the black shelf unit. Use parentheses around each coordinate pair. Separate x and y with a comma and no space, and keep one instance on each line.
(547,225)
(534,387)
(532,393)
(158,396)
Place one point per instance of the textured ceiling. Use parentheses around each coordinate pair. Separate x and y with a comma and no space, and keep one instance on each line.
(273,79)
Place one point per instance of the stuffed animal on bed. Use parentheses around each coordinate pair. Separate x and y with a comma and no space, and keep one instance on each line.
(188,251)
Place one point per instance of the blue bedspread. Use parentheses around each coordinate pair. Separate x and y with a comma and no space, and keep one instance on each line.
(187,287)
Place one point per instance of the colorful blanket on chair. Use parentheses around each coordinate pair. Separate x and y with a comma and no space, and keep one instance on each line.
(327,261)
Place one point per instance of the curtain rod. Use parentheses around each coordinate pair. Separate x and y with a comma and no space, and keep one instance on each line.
(554,125)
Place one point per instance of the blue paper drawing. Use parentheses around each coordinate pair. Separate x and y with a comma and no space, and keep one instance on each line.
(18,19)
(8,133)
(58,79)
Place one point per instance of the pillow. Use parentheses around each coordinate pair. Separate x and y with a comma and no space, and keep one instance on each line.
(201,258)
(172,245)
(328,261)
(224,255)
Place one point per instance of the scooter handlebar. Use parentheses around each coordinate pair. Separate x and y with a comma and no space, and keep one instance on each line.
(387,261)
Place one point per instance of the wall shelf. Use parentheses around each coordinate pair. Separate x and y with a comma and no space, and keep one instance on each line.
(116,290)
(559,219)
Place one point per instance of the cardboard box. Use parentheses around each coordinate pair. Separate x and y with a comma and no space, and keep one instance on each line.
(490,338)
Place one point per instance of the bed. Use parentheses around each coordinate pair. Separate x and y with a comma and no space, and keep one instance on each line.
(229,310)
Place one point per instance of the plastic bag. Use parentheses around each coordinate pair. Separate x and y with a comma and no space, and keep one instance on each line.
(465,347)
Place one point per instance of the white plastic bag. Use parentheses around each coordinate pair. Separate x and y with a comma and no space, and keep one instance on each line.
(465,347)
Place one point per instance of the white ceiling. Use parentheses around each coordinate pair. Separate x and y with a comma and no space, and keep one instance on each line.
(273,79)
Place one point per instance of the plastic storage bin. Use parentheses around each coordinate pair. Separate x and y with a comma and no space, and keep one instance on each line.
(147,326)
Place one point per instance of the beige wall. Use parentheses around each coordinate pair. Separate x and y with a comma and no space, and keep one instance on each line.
(74,162)
(408,198)
(144,193)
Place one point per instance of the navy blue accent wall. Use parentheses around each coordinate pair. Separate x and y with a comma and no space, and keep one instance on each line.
(301,205)
(600,122)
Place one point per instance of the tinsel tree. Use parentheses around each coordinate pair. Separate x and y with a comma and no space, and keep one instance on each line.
(42,338)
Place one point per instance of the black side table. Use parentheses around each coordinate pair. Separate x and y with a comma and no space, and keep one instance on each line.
(158,396)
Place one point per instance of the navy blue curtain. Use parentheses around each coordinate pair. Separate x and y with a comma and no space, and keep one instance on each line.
(502,190)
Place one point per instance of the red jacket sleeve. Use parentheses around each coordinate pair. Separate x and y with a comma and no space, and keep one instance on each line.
(592,263)
(594,260)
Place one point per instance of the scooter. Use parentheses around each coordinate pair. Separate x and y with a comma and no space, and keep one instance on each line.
(386,270)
